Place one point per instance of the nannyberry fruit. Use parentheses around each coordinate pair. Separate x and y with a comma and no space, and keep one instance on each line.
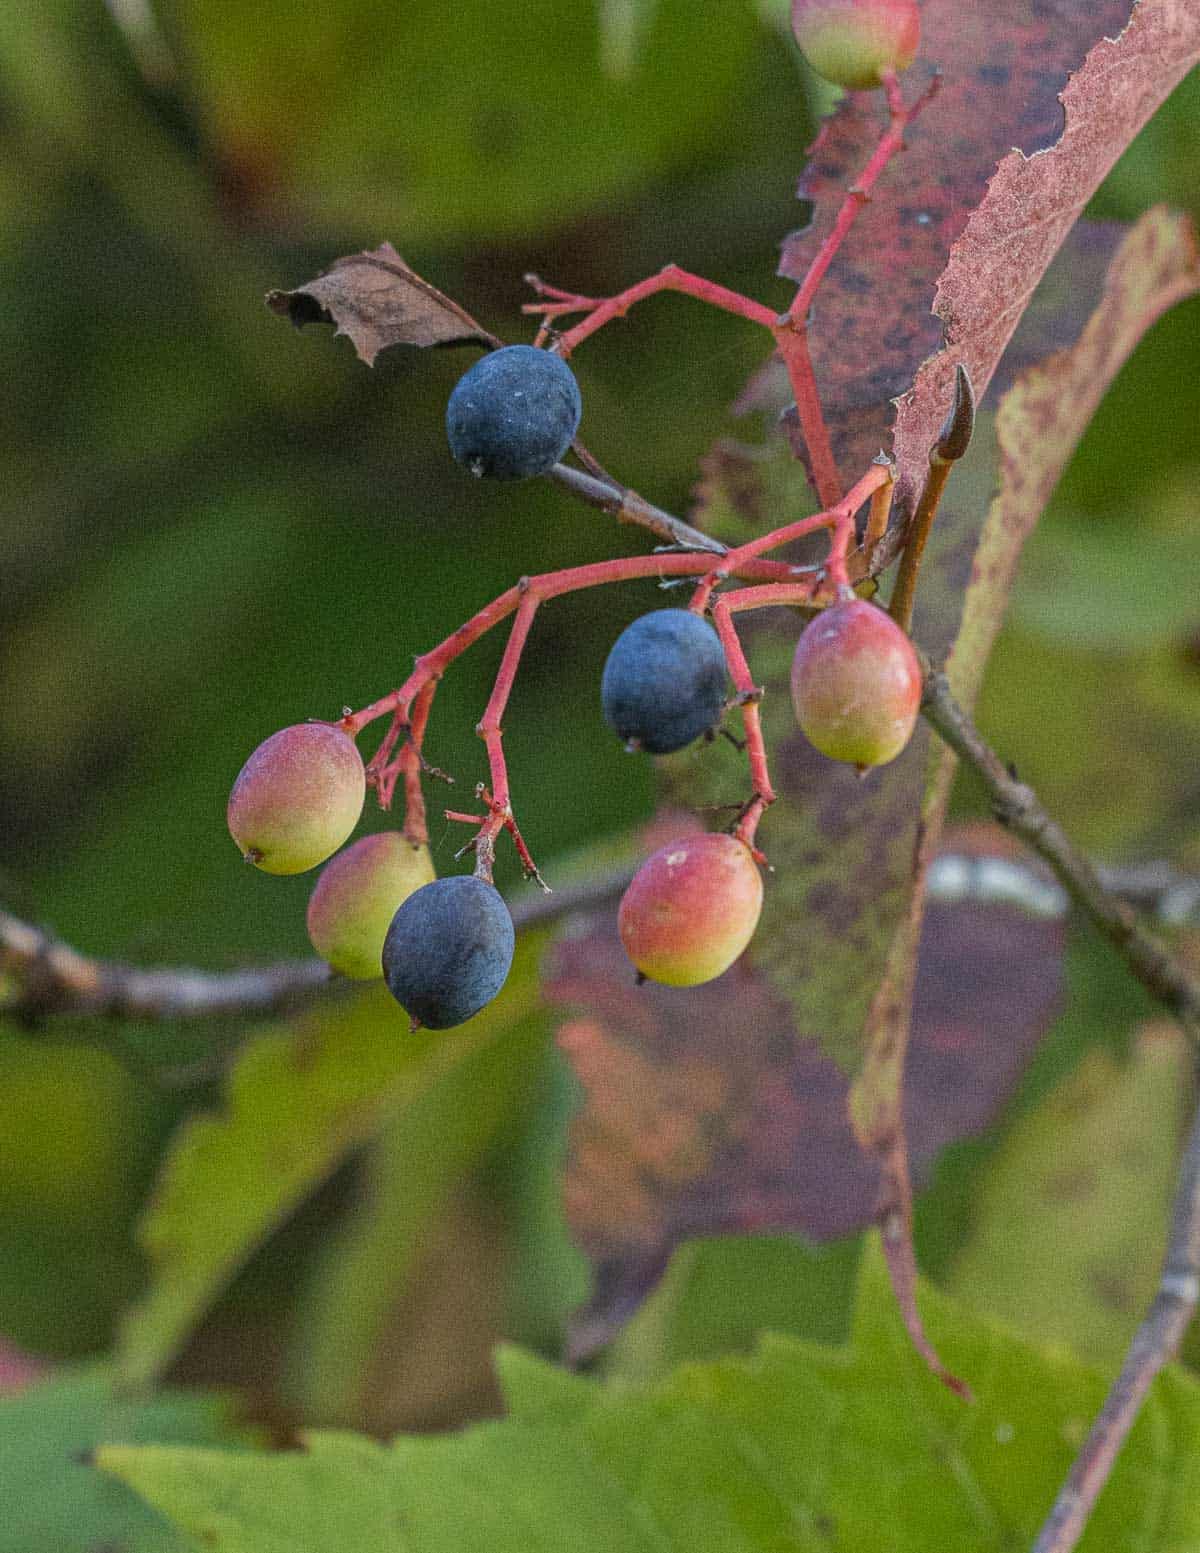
(664,681)
(514,414)
(856,684)
(448,950)
(297,798)
(850,41)
(355,899)
(691,909)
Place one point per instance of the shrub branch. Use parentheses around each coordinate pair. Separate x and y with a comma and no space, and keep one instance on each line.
(1018,808)
(1157,1339)
(50,977)
(1155,1343)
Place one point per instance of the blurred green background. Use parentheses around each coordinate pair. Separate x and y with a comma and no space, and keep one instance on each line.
(211,526)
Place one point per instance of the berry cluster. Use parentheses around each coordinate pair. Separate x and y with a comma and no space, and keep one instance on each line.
(445,945)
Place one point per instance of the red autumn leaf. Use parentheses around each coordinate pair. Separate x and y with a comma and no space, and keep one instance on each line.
(1003,66)
(1031,204)
(703,1113)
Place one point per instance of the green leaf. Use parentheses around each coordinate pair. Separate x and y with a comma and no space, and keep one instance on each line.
(623,28)
(54,1499)
(83,657)
(1071,1217)
(801,1447)
(300,1098)
(364,1269)
(441,120)
(1109,586)
(718,1294)
(549,1277)
(72,1166)
(536,1391)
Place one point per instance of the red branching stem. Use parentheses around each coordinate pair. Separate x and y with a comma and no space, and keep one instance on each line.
(499,802)
(412,765)
(767,596)
(524,855)
(890,142)
(839,518)
(749,696)
(670,278)
(380,775)
(790,330)
(383,772)
(489,729)
(409,705)
(791,340)
(547,585)
(499,817)
(895,100)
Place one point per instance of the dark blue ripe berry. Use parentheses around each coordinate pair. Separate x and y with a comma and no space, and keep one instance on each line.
(514,414)
(664,681)
(448,950)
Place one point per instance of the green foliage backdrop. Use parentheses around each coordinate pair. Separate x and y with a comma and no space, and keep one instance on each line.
(211,527)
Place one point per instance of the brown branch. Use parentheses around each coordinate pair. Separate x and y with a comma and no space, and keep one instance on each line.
(628,507)
(1017,806)
(1157,889)
(53,978)
(1155,1343)
(953,441)
(50,977)
(1157,1339)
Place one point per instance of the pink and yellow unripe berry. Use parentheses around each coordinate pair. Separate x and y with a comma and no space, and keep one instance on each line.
(850,42)
(297,798)
(355,899)
(691,909)
(856,684)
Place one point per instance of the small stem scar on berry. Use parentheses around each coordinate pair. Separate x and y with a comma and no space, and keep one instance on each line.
(952,443)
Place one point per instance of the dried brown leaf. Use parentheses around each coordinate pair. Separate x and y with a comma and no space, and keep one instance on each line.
(376,301)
